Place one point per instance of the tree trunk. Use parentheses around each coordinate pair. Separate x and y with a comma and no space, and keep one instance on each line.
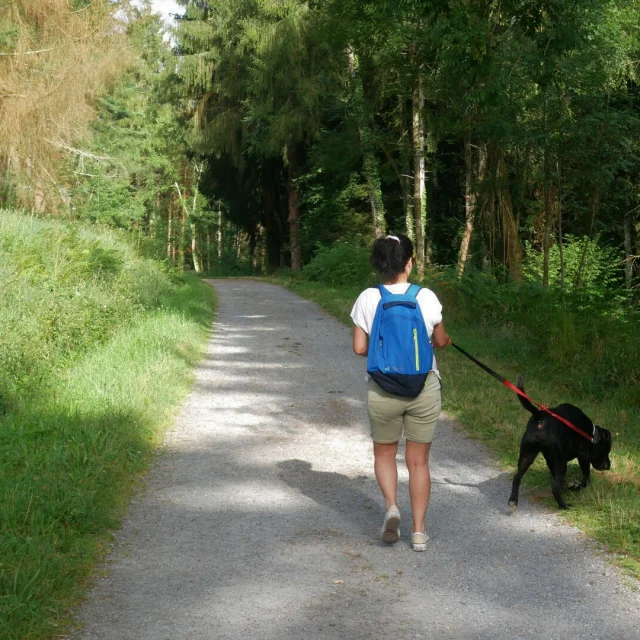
(483,159)
(469,208)
(430,187)
(170,228)
(40,200)
(628,252)
(181,240)
(272,218)
(548,227)
(405,168)
(369,162)
(272,242)
(195,249)
(294,209)
(373,187)
(595,204)
(219,233)
(502,242)
(252,248)
(155,216)
(560,232)
(418,174)
(182,220)
(512,254)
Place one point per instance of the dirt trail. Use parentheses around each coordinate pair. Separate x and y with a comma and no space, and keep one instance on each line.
(261,519)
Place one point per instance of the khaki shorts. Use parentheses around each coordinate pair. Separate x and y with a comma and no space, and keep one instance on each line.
(389,413)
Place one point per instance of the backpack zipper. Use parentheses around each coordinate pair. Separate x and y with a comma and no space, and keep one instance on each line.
(415,344)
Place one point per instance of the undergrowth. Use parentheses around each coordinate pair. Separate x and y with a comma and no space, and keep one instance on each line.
(96,351)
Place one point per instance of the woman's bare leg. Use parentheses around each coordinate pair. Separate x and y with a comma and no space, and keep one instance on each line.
(417,458)
(387,470)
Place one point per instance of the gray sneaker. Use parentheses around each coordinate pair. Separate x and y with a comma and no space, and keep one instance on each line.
(391,528)
(419,541)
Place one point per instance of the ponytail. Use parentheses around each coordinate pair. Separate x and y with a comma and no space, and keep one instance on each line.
(390,255)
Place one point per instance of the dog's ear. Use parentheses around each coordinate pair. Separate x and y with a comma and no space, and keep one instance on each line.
(596,434)
(603,434)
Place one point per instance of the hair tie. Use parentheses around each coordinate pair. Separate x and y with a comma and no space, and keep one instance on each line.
(393,238)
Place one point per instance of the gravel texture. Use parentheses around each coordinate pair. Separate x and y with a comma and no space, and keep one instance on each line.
(261,519)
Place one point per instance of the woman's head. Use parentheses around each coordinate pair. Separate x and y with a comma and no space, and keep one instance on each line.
(391,255)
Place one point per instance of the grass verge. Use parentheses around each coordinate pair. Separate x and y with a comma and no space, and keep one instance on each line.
(609,510)
(71,448)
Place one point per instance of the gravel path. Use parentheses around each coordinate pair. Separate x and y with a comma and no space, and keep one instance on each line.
(261,519)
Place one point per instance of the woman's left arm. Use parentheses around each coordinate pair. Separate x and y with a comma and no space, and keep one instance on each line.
(359,342)
(440,338)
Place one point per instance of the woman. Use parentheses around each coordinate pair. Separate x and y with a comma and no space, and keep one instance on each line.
(392,258)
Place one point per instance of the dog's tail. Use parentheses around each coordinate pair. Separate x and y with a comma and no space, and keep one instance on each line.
(523,401)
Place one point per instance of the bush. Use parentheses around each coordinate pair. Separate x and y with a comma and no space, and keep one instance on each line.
(343,264)
(531,323)
(599,268)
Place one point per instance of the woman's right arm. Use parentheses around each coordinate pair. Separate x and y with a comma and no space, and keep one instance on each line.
(359,341)
(439,337)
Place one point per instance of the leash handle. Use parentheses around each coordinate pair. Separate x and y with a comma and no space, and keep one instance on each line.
(520,392)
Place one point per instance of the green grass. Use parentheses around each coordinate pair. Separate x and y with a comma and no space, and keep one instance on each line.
(609,510)
(85,406)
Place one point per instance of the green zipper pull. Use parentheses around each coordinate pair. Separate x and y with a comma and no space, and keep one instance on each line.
(415,344)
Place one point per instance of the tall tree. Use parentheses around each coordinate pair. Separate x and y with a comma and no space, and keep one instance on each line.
(55,59)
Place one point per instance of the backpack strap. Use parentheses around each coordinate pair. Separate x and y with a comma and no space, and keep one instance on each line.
(384,292)
(413,290)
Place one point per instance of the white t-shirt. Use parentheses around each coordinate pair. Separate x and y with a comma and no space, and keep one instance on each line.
(364,310)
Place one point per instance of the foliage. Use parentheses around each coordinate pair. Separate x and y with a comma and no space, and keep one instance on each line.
(592,338)
(290,123)
(546,99)
(140,171)
(54,61)
(591,272)
(334,197)
(344,264)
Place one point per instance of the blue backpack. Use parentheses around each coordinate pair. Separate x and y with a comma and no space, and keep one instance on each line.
(400,353)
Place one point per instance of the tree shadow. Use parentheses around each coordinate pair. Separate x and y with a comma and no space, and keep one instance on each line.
(349,497)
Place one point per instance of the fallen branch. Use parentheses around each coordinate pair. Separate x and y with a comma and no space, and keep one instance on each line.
(80,152)
(28,53)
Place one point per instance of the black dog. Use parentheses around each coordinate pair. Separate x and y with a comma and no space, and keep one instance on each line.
(559,444)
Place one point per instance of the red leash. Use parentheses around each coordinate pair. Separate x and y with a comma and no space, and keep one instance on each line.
(520,392)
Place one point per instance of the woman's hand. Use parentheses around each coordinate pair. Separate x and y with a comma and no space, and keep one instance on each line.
(359,342)
(440,338)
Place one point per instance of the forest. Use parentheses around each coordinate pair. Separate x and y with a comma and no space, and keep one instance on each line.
(277,139)
(501,136)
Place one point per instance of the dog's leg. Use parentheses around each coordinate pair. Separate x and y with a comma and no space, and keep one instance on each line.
(585,467)
(558,470)
(527,456)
